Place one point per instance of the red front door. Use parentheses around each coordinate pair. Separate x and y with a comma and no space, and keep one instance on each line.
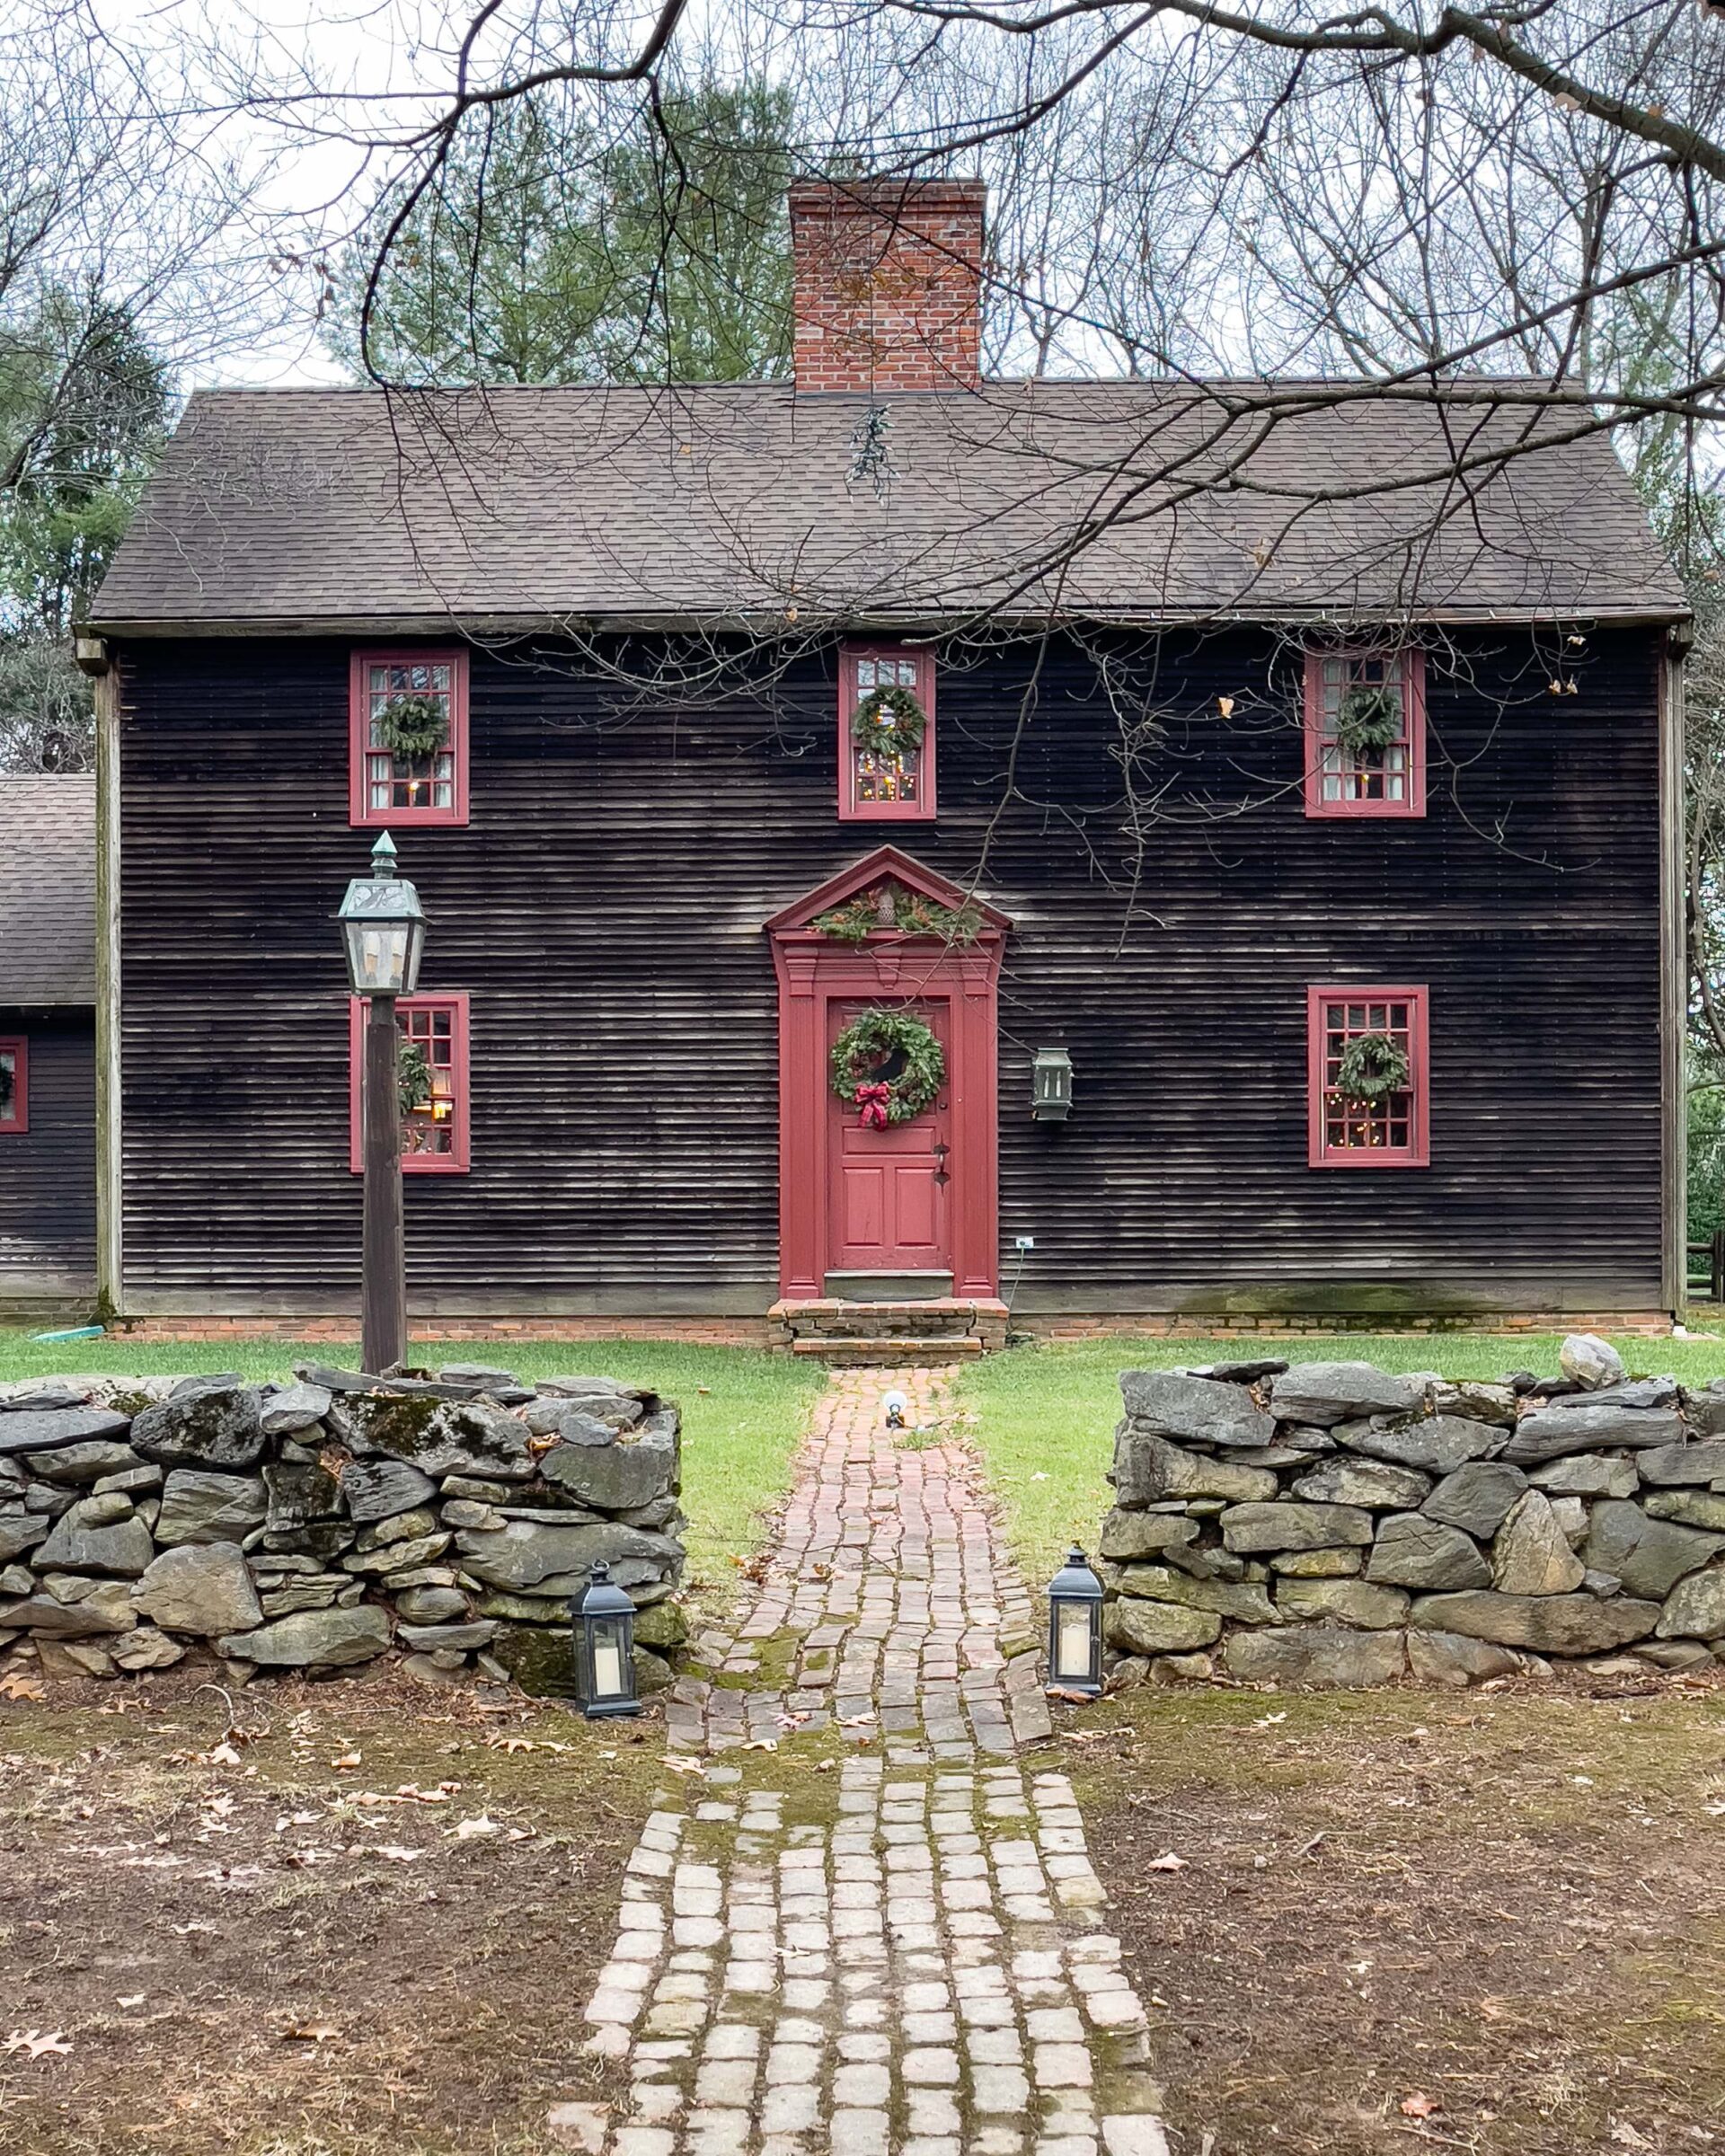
(889,1191)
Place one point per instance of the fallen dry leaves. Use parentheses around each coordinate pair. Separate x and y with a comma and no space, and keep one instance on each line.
(36,2044)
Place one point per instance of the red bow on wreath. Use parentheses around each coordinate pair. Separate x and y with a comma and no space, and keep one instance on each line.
(873,1101)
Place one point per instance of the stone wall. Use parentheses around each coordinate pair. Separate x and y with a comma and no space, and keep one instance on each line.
(1336,1524)
(321,1523)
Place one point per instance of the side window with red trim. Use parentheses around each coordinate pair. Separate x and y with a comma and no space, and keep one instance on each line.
(1365,733)
(14,1086)
(1366,1071)
(885,733)
(434,1090)
(408,738)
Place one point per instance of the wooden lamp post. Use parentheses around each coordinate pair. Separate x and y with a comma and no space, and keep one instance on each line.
(385,933)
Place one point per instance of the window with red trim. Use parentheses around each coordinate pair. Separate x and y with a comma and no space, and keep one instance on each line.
(434,1045)
(1368,1128)
(14,1086)
(419,785)
(1341,779)
(877,784)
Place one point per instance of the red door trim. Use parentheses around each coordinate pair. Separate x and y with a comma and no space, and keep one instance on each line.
(815,970)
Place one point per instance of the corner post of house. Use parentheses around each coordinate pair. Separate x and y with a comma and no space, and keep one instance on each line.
(1674,977)
(975,1133)
(110,1295)
(802,1124)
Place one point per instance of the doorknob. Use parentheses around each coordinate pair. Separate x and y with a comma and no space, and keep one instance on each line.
(940,1152)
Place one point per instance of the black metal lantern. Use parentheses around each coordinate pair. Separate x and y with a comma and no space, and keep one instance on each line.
(1050,1085)
(603,1619)
(1075,1626)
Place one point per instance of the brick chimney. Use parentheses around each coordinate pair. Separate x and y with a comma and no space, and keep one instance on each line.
(888,283)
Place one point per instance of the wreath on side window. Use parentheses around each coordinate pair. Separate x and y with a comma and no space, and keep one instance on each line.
(1372,1066)
(412,1078)
(1368,720)
(412,727)
(875,1043)
(888,722)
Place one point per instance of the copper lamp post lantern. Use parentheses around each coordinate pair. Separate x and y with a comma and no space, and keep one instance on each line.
(383,932)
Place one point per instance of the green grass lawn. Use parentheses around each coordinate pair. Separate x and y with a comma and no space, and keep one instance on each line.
(743,1408)
(1045,1416)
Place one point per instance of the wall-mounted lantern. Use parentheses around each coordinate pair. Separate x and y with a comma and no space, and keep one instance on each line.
(1050,1085)
(1075,1627)
(603,1619)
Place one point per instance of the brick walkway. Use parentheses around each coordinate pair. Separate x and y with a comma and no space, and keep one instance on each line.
(882,1950)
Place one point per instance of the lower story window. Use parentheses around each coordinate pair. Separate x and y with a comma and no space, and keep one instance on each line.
(14,1061)
(432,1064)
(1366,1075)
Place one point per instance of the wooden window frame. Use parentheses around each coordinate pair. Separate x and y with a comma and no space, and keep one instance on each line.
(361,815)
(17,1123)
(1413,702)
(1417,1152)
(922,810)
(458,1159)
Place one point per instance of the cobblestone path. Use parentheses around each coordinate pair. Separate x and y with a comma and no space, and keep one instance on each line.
(889,1949)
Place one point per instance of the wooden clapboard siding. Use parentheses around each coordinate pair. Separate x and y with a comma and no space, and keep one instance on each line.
(604,907)
(48,1172)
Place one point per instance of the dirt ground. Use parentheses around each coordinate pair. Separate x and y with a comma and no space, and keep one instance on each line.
(351,1917)
(1490,1921)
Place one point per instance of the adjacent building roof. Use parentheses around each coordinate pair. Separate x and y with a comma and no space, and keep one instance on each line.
(336,510)
(47,891)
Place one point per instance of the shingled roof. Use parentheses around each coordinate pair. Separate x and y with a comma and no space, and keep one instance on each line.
(47,891)
(336,510)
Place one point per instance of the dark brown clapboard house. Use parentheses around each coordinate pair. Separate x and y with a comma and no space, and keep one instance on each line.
(47,1046)
(1293,785)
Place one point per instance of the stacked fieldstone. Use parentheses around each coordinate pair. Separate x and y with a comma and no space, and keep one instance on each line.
(310,1525)
(1336,1524)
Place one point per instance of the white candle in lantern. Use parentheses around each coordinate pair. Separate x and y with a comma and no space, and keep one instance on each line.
(1074,1640)
(607,1668)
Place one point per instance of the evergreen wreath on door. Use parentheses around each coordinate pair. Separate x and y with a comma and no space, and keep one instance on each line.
(867,1046)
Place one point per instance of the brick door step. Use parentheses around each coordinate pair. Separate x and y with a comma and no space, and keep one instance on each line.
(889,1354)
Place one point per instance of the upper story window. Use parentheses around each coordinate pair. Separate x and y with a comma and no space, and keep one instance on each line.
(433,1066)
(1365,733)
(408,738)
(1366,1077)
(14,1089)
(885,733)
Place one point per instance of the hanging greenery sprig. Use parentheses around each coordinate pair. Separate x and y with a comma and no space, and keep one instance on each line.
(874,1044)
(1368,719)
(411,727)
(888,722)
(859,918)
(1372,1066)
(412,1078)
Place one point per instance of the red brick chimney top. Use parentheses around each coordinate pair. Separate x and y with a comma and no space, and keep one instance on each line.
(888,283)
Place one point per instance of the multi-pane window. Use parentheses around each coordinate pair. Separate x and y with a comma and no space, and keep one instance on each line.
(1365,733)
(14,1061)
(885,733)
(432,1088)
(1367,1072)
(409,738)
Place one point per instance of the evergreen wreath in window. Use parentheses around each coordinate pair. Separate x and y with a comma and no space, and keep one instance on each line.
(1372,1066)
(888,722)
(1368,720)
(412,728)
(888,1065)
(412,1078)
